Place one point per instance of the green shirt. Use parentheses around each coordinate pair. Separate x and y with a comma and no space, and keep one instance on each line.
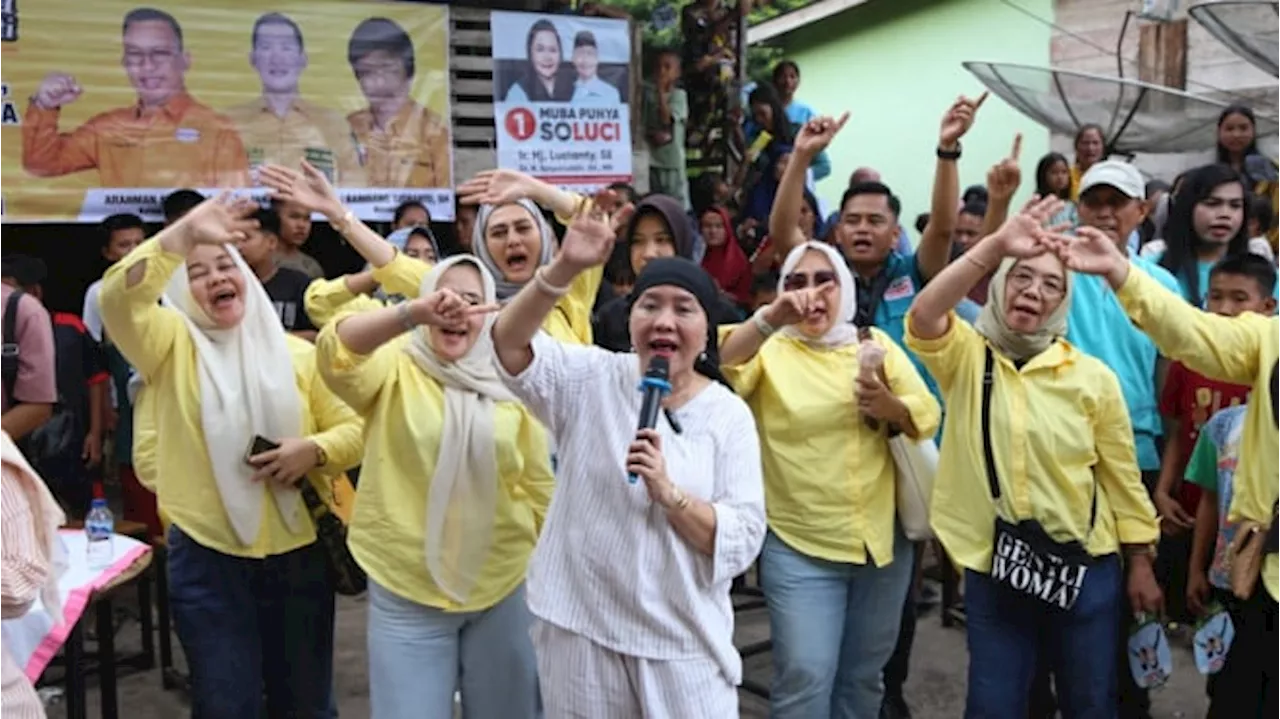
(671,155)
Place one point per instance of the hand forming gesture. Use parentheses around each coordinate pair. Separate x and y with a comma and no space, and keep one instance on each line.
(57,89)
(309,188)
(1092,252)
(794,306)
(816,135)
(1024,234)
(1005,176)
(446,308)
(218,221)
(958,119)
(588,242)
(497,187)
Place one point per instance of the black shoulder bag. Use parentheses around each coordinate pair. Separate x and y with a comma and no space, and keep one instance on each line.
(11,351)
(1025,559)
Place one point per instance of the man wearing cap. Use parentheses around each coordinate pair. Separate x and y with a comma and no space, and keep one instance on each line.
(588,88)
(1113,200)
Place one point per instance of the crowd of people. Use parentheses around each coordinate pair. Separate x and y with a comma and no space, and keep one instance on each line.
(1097,367)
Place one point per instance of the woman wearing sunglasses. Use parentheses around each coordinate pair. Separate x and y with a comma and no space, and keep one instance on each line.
(835,567)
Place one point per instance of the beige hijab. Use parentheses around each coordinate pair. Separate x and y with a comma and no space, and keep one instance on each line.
(47,516)
(1017,345)
(463,496)
(247,388)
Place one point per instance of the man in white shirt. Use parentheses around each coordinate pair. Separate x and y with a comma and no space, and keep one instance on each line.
(588,88)
(120,234)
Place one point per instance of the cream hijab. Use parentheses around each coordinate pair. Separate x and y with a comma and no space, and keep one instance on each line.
(47,516)
(463,496)
(247,388)
(1017,345)
(842,332)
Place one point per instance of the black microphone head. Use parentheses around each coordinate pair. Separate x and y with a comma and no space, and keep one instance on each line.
(659,368)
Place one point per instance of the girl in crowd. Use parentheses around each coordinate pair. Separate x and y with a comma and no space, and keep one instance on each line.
(247,580)
(1038,453)
(1090,146)
(658,227)
(835,567)
(724,260)
(446,557)
(1205,224)
(629,583)
(1240,350)
(767,166)
(786,78)
(542,80)
(1238,148)
(1053,179)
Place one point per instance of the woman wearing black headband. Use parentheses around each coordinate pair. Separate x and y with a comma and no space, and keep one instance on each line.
(629,583)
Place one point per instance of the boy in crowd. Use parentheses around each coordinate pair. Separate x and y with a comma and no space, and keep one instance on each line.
(294,222)
(286,287)
(1237,284)
(410,213)
(666,110)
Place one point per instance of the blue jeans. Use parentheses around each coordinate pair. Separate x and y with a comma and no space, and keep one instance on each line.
(252,624)
(418,657)
(834,625)
(1008,634)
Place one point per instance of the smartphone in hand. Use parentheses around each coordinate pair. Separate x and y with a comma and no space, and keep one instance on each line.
(259,445)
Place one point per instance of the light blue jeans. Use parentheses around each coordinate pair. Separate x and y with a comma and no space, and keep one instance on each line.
(834,625)
(419,656)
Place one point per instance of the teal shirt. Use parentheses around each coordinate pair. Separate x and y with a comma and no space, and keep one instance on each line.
(1098,326)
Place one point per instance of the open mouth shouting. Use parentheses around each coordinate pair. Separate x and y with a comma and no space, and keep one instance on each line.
(861,244)
(224,298)
(663,347)
(1025,311)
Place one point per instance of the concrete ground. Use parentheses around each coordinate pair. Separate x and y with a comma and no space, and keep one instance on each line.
(935,690)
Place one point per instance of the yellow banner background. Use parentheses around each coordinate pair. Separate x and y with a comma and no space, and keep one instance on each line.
(84,39)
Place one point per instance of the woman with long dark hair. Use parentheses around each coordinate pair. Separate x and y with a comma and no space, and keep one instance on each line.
(1206,223)
(764,170)
(1053,177)
(542,80)
(1238,147)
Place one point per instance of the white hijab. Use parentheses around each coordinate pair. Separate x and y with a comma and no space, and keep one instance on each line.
(47,516)
(842,332)
(463,496)
(247,388)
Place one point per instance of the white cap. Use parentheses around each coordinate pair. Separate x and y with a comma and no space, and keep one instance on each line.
(1116,173)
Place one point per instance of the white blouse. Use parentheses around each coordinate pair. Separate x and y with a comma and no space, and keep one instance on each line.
(609,566)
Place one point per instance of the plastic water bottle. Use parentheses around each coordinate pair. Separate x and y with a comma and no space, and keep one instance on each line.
(98,528)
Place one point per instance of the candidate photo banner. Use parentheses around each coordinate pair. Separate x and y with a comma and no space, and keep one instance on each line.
(560,94)
(110,105)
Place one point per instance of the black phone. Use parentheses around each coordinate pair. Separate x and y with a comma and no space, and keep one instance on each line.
(259,445)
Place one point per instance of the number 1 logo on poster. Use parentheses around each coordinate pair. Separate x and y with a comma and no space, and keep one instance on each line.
(520,123)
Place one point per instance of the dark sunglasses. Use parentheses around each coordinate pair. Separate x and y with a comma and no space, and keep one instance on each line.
(800,280)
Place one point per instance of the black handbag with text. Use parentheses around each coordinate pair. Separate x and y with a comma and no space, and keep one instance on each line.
(1024,558)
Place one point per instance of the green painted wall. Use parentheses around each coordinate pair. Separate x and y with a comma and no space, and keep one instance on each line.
(895,66)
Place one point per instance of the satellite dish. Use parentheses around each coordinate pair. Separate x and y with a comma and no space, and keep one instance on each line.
(1248,28)
(1134,116)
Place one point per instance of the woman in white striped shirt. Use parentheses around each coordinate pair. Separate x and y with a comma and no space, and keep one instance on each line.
(629,583)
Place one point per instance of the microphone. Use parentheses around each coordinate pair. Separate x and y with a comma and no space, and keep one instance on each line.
(654,386)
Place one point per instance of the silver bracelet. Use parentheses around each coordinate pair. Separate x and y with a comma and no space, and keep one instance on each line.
(402,311)
(762,325)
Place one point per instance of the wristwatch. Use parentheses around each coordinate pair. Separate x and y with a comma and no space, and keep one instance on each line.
(949,154)
(322,457)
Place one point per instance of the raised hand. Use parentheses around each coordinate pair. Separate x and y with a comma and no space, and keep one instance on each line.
(217,221)
(497,187)
(1024,234)
(57,89)
(958,119)
(792,307)
(1092,253)
(1005,176)
(816,135)
(446,308)
(307,187)
(588,242)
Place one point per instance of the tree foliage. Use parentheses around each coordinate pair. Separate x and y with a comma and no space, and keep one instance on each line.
(661,22)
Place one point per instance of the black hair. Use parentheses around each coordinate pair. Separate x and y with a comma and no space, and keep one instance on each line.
(627,191)
(378,34)
(1224,156)
(542,25)
(1182,242)
(275,18)
(1045,164)
(922,221)
(268,221)
(766,94)
(180,202)
(121,221)
(1260,211)
(782,65)
(872,188)
(584,38)
(1154,186)
(150,14)
(973,207)
(26,270)
(1087,127)
(764,282)
(975,193)
(404,207)
(1247,264)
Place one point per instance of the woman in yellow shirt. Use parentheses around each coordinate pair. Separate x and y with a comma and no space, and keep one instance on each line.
(455,485)
(835,568)
(1038,488)
(511,238)
(247,580)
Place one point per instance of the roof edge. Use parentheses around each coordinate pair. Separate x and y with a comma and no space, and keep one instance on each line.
(798,18)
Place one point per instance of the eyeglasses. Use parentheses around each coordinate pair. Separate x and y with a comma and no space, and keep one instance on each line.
(137,58)
(1051,287)
(801,280)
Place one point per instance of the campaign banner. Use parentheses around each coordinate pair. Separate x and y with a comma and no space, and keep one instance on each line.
(560,94)
(111,105)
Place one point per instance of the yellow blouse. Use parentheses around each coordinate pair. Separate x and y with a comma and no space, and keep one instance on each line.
(404,408)
(1242,350)
(569,321)
(324,298)
(1061,434)
(828,477)
(156,342)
